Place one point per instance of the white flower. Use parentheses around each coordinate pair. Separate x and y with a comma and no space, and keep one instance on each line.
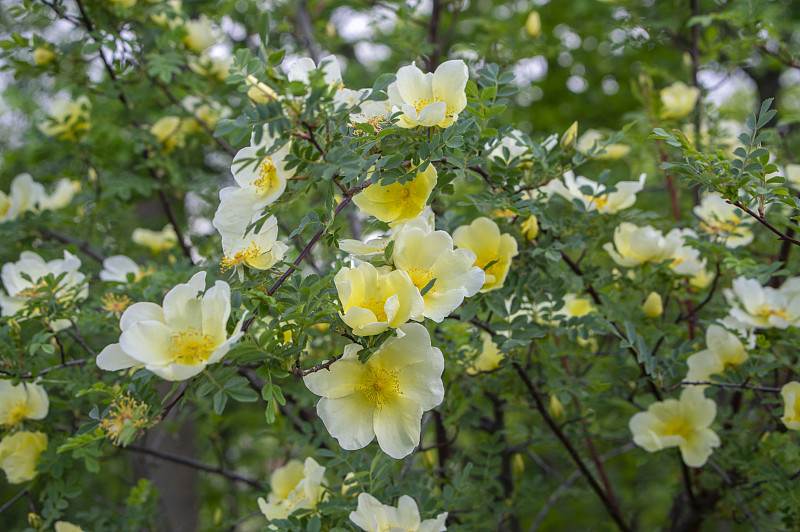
(593,195)
(200,34)
(377,245)
(23,401)
(684,424)
(260,180)
(429,256)
(68,119)
(116,269)
(573,307)
(764,307)
(20,290)
(678,100)
(611,151)
(374,300)
(295,486)
(516,146)
(371,112)
(24,195)
(724,350)
(62,195)
(259,250)
(489,357)
(429,99)
(177,340)
(302,68)
(634,245)
(386,396)
(372,516)
(157,241)
(717,216)
(685,259)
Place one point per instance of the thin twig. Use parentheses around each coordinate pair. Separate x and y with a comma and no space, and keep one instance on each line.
(13,499)
(768,389)
(78,337)
(684,316)
(297,370)
(763,221)
(189,462)
(736,495)
(45,371)
(610,508)
(80,244)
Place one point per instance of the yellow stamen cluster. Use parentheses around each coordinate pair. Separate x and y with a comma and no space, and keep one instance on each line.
(379,385)
(17,412)
(420,277)
(250,252)
(125,412)
(377,308)
(115,303)
(267,181)
(33,291)
(191,347)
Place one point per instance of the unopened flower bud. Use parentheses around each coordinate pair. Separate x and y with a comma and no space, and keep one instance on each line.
(653,306)
(43,56)
(533,25)
(530,228)
(569,137)
(556,409)
(518,464)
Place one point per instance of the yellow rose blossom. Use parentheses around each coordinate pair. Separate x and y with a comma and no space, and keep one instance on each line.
(19,453)
(372,516)
(634,245)
(169,132)
(20,402)
(678,100)
(64,526)
(385,396)
(432,99)
(719,217)
(200,34)
(157,241)
(68,119)
(680,423)
(790,393)
(374,300)
(295,486)
(724,350)
(530,228)
(398,202)
(567,141)
(612,151)
(259,91)
(488,359)
(493,250)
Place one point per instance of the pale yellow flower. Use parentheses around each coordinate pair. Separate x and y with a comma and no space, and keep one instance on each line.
(432,99)
(488,359)
(295,486)
(680,423)
(259,91)
(64,526)
(372,516)
(763,307)
(574,307)
(68,119)
(259,250)
(23,401)
(567,141)
(24,195)
(593,195)
(117,268)
(19,453)
(213,67)
(384,397)
(678,100)
(719,217)
(724,351)
(431,262)
(169,132)
(793,175)
(200,34)
(178,340)
(493,250)
(790,393)
(375,300)
(530,228)
(634,246)
(611,151)
(398,202)
(157,241)
(61,196)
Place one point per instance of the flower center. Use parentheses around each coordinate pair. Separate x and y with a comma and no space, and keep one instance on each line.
(600,201)
(17,412)
(33,290)
(376,306)
(492,261)
(267,182)
(191,347)
(422,103)
(379,385)
(231,261)
(677,426)
(420,277)
(767,311)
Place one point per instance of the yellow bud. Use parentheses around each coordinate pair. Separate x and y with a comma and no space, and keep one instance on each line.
(653,306)
(287,337)
(349,483)
(92,175)
(518,464)
(43,56)
(533,26)
(530,228)
(556,409)
(322,327)
(35,521)
(218,516)
(569,137)
(330,30)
